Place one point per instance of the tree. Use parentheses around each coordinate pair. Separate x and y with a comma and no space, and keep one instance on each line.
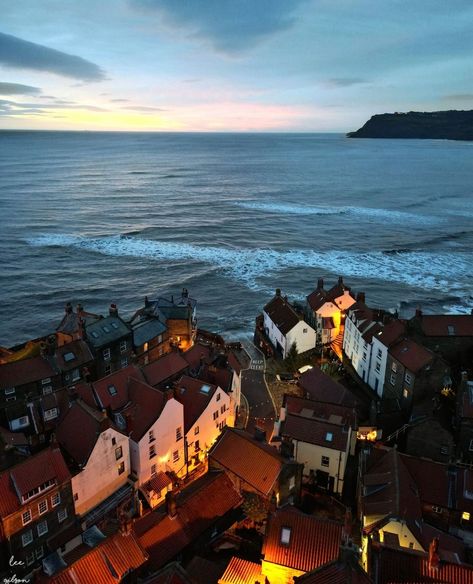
(255,507)
(292,357)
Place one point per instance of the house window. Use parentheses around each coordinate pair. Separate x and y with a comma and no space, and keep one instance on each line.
(29,558)
(325,460)
(121,468)
(436,509)
(76,496)
(215,415)
(106,354)
(42,528)
(175,456)
(9,390)
(380,354)
(43,506)
(405,393)
(465,516)
(114,441)
(196,430)
(124,362)
(394,367)
(19,423)
(47,389)
(285,535)
(26,517)
(108,369)
(223,408)
(196,446)
(61,515)
(178,433)
(292,482)
(222,425)
(112,390)
(118,453)
(75,375)
(151,437)
(392,379)
(378,367)
(444,450)
(408,378)
(27,538)
(55,499)
(46,381)
(364,356)
(50,414)
(152,451)
(123,346)
(218,397)
(153,470)
(39,552)
(11,398)
(304,330)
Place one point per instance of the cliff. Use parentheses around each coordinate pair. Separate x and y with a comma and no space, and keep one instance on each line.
(447,125)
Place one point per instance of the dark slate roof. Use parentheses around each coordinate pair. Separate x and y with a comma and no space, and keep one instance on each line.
(25,371)
(321,387)
(147,329)
(412,355)
(282,314)
(106,331)
(446,325)
(73,355)
(195,396)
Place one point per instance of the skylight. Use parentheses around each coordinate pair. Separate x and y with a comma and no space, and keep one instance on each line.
(69,357)
(285,535)
(114,325)
(329,436)
(106,329)
(112,390)
(205,389)
(451,330)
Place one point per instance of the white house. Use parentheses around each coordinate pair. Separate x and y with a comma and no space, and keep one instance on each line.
(381,342)
(322,437)
(98,453)
(284,327)
(207,410)
(325,310)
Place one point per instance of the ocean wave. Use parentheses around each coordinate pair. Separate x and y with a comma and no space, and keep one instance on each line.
(427,270)
(384,215)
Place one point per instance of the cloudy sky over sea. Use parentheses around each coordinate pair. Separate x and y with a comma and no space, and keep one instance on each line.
(230,65)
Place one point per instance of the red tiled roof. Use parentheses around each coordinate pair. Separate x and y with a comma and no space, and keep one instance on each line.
(118,380)
(25,371)
(198,507)
(396,566)
(241,572)
(315,431)
(33,472)
(146,405)
(79,430)
(196,354)
(158,482)
(446,325)
(334,413)
(335,573)
(168,366)
(256,463)
(321,387)
(86,393)
(391,332)
(282,314)
(412,355)
(312,542)
(80,350)
(234,363)
(107,563)
(189,393)
(318,298)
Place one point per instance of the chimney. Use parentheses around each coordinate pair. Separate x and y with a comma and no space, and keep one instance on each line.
(146,302)
(285,299)
(360,297)
(52,344)
(418,313)
(434,558)
(340,280)
(80,309)
(278,291)
(171,507)
(320,284)
(68,308)
(185,293)
(113,310)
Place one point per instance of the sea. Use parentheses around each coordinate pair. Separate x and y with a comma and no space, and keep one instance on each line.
(100,218)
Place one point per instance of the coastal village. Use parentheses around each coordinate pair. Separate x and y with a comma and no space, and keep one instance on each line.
(335,448)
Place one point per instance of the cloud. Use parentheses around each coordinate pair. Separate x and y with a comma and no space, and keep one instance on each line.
(143,108)
(459,97)
(118,100)
(20,54)
(345,81)
(18,89)
(17,108)
(229,25)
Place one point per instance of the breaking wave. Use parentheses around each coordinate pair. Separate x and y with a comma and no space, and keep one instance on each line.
(428,270)
(364,212)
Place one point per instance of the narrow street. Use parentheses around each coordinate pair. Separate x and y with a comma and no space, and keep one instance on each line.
(254,388)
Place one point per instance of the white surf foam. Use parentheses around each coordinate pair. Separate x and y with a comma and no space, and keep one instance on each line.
(438,271)
(384,215)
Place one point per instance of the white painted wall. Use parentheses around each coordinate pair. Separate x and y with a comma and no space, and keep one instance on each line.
(274,334)
(99,478)
(379,358)
(327,310)
(303,335)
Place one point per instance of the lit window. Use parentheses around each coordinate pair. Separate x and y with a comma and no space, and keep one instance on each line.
(405,393)
(55,499)
(325,460)
(436,509)
(42,528)
(121,468)
(178,433)
(470,448)
(292,482)
(26,517)
(394,367)
(285,535)
(466,516)
(27,538)
(61,515)
(118,453)
(75,375)
(69,357)
(43,506)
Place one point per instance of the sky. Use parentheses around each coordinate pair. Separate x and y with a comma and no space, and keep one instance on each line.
(230,65)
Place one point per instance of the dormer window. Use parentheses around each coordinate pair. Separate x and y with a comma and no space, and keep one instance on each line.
(285,535)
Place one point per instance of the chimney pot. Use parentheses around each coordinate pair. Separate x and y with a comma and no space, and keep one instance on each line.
(68,308)
(360,297)
(418,313)
(278,291)
(171,507)
(340,280)
(113,310)
(320,284)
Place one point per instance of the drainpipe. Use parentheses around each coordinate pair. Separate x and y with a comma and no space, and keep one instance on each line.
(338,471)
